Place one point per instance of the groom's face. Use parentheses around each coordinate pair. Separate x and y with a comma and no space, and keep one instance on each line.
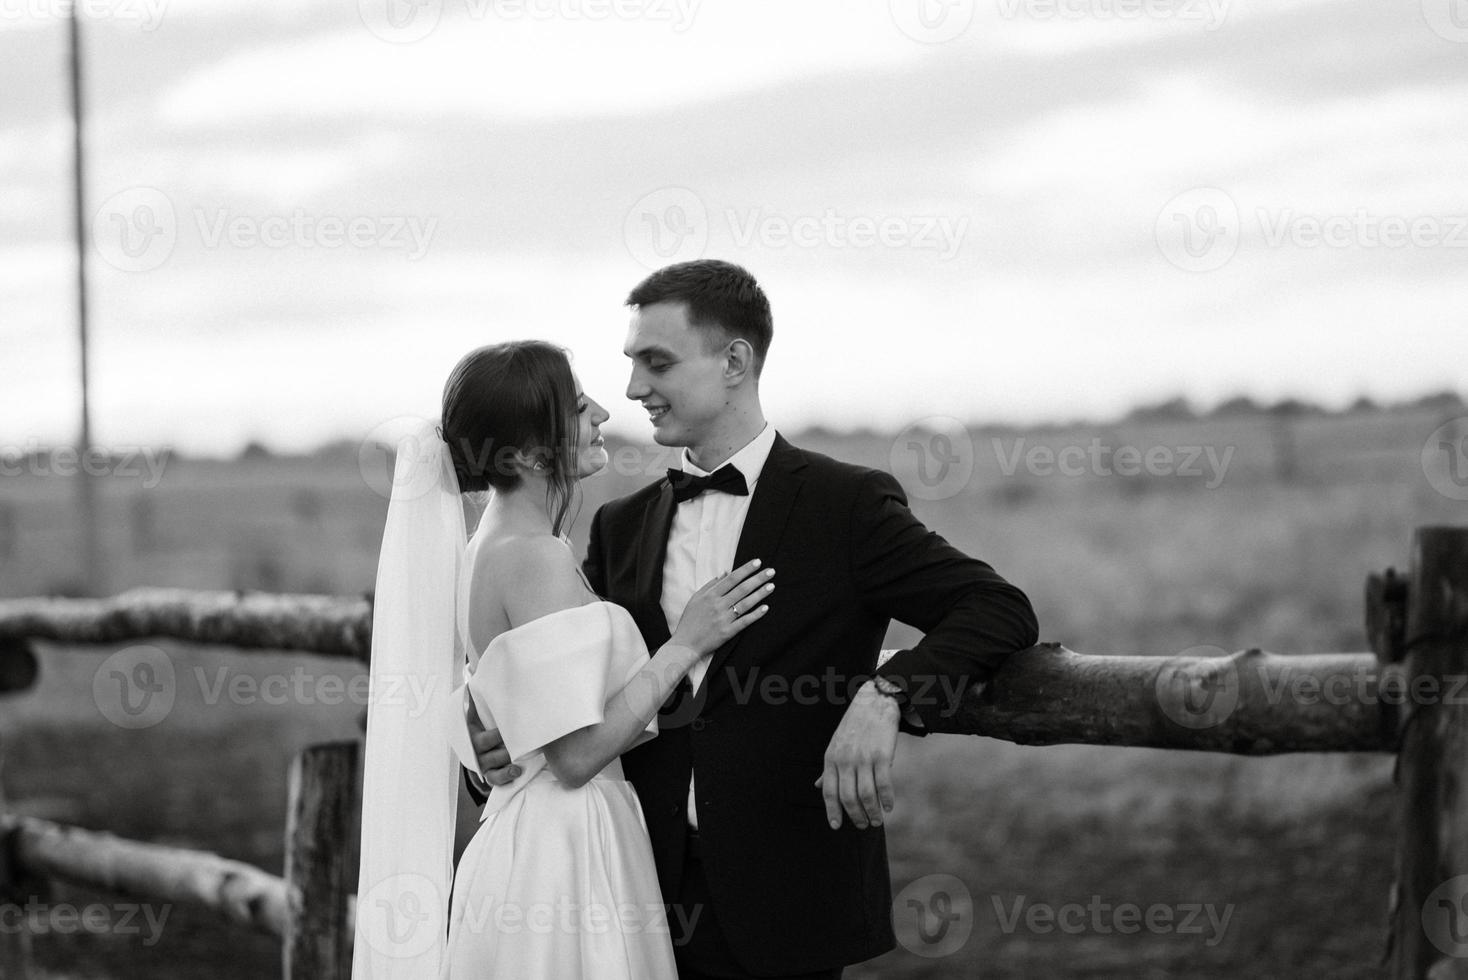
(675,375)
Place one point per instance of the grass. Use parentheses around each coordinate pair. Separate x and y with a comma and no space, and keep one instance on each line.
(1299,847)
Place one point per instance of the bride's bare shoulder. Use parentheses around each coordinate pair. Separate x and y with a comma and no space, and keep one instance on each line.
(533,575)
(530,548)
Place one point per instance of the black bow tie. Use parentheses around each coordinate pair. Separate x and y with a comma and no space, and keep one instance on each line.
(726,479)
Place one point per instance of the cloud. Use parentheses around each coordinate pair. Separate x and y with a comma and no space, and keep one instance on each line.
(1055,143)
(534,60)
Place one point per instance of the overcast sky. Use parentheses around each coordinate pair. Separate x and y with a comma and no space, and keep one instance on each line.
(302,213)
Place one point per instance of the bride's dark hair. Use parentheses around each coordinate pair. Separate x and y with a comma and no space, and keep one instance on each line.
(518,395)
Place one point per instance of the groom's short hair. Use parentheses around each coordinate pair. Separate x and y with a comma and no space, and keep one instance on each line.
(723,300)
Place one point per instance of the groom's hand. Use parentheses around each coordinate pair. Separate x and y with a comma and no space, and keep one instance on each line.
(493,759)
(858,775)
(489,750)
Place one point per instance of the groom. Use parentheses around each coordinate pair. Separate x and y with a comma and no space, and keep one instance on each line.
(767,873)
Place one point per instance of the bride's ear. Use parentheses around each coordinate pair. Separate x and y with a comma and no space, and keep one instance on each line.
(531,461)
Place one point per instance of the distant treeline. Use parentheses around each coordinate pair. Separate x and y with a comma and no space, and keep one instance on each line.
(1176,409)
(1241,406)
(1170,410)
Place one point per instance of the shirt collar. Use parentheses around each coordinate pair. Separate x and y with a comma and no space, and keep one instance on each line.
(749,461)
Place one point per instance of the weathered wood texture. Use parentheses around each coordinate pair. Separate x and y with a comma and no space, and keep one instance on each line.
(328,625)
(1249,703)
(16,889)
(1430,914)
(241,893)
(319,822)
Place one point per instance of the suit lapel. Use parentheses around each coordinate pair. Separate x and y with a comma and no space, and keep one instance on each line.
(764,524)
(652,550)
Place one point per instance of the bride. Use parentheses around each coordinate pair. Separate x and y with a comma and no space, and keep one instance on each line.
(558,881)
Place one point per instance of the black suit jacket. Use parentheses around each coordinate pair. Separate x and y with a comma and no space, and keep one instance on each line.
(792,894)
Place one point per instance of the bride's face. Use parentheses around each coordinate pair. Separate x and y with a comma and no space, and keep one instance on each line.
(591,452)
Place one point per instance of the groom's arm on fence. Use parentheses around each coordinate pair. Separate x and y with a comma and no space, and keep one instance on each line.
(972,619)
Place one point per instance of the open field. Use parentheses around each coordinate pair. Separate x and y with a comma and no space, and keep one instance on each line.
(1273,554)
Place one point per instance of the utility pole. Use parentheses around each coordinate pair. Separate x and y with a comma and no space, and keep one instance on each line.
(93,575)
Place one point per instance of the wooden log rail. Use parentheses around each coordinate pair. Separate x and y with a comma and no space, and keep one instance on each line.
(328,625)
(310,909)
(1248,703)
(240,893)
(1251,703)
(237,892)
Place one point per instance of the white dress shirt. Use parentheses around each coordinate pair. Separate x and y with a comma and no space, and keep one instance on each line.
(702,542)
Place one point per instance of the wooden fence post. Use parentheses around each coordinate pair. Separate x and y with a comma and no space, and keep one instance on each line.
(318,829)
(1430,913)
(17,673)
(15,947)
(18,666)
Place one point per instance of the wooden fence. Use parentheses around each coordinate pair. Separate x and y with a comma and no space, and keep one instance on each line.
(1407,696)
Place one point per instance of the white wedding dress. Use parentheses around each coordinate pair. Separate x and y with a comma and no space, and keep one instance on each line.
(557,883)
